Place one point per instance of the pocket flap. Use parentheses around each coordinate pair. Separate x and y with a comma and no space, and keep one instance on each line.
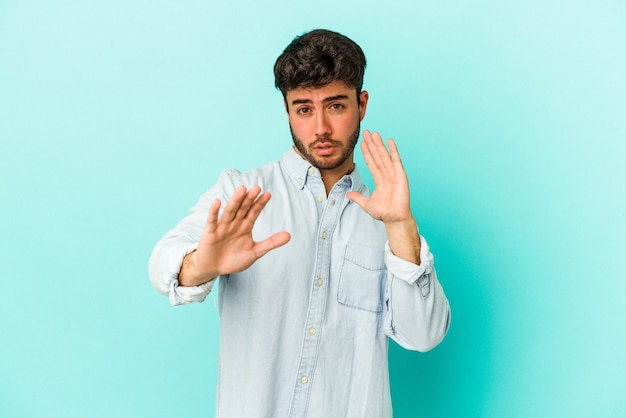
(362,274)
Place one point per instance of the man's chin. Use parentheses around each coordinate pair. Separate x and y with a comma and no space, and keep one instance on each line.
(327,163)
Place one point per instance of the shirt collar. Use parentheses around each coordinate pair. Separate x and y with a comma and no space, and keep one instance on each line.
(300,169)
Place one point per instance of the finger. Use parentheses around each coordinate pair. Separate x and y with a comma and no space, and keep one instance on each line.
(257,207)
(367,154)
(395,155)
(379,151)
(247,202)
(211,220)
(372,162)
(357,198)
(277,240)
(233,204)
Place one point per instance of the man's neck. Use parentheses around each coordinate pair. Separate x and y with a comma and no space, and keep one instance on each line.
(330,177)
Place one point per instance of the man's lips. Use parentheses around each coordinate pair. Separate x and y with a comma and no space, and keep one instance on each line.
(324,148)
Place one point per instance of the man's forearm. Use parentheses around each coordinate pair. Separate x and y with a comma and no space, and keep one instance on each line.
(189,274)
(404,240)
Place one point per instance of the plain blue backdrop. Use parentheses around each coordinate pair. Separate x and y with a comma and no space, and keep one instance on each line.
(510,117)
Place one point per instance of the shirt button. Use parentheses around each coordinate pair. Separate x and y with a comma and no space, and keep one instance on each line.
(312,331)
(324,235)
(300,182)
(304,379)
(311,170)
(320,282)
(319,199)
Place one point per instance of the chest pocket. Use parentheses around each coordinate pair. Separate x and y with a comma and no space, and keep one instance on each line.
(361,279)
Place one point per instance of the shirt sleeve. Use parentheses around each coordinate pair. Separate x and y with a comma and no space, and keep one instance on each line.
(417,312)
(164,267)
(168,254)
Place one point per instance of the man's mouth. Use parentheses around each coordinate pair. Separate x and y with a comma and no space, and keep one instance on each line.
(324,148)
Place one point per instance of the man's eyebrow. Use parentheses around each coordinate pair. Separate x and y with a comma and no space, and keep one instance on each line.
(325,100)
(300,101)
(337,97)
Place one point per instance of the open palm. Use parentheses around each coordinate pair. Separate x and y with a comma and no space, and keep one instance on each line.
(226,245)
(390,201)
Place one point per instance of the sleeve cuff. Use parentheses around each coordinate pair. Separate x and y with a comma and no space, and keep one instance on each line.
(180,295)
(405,270)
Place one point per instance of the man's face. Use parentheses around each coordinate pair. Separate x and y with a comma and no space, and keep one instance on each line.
(325,124)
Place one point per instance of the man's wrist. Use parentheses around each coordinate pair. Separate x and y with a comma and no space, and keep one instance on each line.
(190,275)
(404,240)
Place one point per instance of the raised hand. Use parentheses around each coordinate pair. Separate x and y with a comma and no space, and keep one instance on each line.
(226,245)
(390,201)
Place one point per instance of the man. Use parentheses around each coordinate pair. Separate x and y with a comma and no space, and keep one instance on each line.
(314,277)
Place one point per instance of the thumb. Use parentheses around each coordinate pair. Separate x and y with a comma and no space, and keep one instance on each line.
(277,240)
(357,198)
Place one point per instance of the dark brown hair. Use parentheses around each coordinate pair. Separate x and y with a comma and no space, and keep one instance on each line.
(316,59)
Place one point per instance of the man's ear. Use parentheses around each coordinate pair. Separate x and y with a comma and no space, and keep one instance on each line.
(363,98)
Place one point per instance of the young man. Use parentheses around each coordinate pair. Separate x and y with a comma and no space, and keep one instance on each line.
(317,275)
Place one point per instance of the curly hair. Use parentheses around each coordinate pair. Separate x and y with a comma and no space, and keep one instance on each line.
(316,59)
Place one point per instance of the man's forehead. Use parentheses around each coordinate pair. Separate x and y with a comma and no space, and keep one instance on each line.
(335,90)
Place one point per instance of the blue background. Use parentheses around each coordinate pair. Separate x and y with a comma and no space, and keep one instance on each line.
(510,117)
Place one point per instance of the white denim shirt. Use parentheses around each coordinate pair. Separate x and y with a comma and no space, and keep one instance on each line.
(304,330)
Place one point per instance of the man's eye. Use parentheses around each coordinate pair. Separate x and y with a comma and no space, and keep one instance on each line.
(336,106)
(303,110)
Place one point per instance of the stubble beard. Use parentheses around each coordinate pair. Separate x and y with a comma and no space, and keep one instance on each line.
(327,163)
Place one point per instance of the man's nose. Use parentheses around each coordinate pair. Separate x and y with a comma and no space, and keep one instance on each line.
(322,124)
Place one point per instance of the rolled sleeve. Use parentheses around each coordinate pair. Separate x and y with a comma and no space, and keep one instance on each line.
(418,314)
(164,270)
(407,271)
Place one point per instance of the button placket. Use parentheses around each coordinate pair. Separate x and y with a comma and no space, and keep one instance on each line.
(317,304)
